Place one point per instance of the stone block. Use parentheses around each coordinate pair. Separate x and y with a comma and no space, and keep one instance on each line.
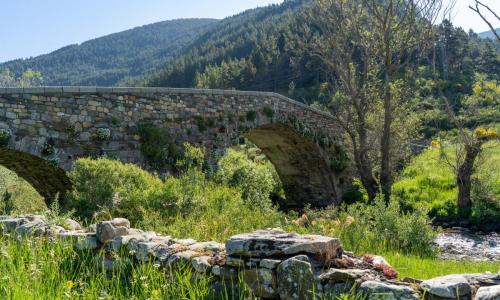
(272,243)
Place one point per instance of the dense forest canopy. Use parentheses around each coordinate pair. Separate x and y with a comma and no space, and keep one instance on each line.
(260,50)
(113,59)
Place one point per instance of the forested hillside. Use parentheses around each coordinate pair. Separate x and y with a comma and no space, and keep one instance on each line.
(113,59)
(262,49)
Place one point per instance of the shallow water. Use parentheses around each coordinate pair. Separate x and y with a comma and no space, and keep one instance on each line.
(460,243)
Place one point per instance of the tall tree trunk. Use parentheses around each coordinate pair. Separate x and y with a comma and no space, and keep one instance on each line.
(363,163)
(385,143)
(463,179)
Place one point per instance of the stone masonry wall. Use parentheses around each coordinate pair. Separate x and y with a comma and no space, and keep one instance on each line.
(273,264)
(60,124)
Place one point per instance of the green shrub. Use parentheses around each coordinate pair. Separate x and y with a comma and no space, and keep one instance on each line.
(255,180)
(340,160)
(251,116)
(104,184)
(268,112)
(5,137)
(202,124)
(154,146)
(374,228)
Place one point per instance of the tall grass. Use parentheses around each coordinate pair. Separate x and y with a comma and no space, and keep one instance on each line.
(428,181)
(42,269)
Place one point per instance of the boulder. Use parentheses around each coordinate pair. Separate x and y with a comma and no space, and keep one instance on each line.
(488,293)
(379,290)
(262,282)
(450,286)
(295,278)
(108,230)
(72,225)
(271,243)
(32,228)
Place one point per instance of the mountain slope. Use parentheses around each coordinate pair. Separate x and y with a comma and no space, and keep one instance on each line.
(262,49)
(488,34)
(254,50)
(112,59)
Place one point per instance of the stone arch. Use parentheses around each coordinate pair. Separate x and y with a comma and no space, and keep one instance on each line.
(48,181)
(302,165)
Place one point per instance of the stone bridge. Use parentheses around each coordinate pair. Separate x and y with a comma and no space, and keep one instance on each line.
(48,128)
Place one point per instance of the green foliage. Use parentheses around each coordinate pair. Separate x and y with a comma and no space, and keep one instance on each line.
(18,196)
(251,116)
(255,180)
(5,137)
(340,160)
(268,112)
(202,124)
(55,216)
(119,58)
(155,146)
(39,269)
(375,228)
(106,184)
(26,78)
(8,203)
(428,182)
(48,149)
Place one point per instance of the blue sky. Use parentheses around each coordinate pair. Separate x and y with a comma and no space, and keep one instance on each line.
(34,27)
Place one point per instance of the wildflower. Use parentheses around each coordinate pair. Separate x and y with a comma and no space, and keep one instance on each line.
(69,284)
(155,294)
(486,133)
(435,144)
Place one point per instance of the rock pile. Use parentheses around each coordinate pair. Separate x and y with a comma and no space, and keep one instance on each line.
(274,264)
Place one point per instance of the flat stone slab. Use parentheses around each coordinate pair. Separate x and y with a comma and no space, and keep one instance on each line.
(450,286)
(271,243)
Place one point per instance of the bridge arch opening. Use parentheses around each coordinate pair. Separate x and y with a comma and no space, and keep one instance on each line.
(49,181)
(302,166)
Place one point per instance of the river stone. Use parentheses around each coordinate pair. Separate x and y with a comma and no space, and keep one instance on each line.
(488,293)
(383,291)
(269,243)
(295,278)
(450,286)
(108,230)
(342,275)
(262,282)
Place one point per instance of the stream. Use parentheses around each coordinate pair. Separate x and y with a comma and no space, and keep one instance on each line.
(460,243)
